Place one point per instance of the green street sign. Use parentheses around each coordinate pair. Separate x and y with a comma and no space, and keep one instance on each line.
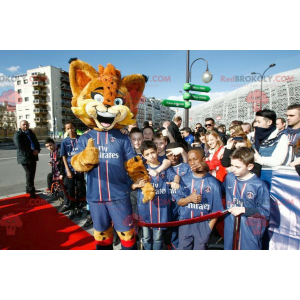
(189,96)
(197,88)
(175,103)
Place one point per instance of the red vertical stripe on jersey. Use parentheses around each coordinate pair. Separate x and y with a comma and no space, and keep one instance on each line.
(201,187)
(106,136)
(107,181)
(99,176)
(243,190)
(177,171)
(193,184)
(234,189)
(192,214)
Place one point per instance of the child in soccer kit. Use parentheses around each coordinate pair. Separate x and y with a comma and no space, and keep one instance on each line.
(68,149)
(248,196)
(173,152)
(159,209)
(203,194)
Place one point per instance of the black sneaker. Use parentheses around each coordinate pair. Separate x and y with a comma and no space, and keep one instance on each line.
(88,221)
(79,213)
(63,209)
(71,214)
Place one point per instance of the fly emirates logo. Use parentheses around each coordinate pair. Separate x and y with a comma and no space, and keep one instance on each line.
(104,154)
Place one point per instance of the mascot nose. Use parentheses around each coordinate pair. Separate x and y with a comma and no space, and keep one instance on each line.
(107,103)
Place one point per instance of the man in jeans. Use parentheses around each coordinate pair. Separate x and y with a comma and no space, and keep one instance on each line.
(271,144)
(28,149)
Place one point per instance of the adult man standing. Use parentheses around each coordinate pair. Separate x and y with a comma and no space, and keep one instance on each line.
(174,130)
(271,144)
(28,149)
(280,124)
(293,129)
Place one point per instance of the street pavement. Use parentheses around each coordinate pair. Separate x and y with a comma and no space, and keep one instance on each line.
(12,175)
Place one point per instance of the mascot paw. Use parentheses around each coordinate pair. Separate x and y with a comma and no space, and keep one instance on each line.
(87,159)
(149,192)
(90,154)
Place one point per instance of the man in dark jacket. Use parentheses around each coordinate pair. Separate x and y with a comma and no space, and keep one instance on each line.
(28,149)
(174,130)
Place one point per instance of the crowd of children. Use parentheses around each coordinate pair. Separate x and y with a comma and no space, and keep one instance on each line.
(188,182)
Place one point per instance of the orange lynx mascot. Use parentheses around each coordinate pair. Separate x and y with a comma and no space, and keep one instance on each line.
(105,102)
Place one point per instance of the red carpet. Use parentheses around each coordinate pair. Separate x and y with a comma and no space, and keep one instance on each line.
(33,224)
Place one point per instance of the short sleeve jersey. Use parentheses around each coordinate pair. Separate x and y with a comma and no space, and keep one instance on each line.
(68,148)
(159,209)
(108,181)
(210,189)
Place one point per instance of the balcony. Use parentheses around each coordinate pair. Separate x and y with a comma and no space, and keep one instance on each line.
(67,111)
(64,79)
(37,74)
(40,120)
(40,111)
(39,102)
(66,95)
(66,103)
(39,84)
(65,87)
(39,93)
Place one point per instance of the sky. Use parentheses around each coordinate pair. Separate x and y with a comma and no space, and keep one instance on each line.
(166,68)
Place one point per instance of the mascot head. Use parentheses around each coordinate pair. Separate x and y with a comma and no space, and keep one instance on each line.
(103,100)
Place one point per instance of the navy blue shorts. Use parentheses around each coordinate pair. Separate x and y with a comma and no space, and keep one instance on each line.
(104,213)
(194,236)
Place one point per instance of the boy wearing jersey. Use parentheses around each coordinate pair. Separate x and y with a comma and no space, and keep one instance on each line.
(180,168)
(68,149)
(160,142)
(203,196)
(248,196)
(159,209)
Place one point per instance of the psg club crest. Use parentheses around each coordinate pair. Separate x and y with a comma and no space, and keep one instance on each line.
(112,139)
(207,189)
(182,173)
(162,175)
(250,195)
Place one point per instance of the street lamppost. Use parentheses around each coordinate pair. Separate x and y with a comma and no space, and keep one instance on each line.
(261,81)
(206,78)
(54,119)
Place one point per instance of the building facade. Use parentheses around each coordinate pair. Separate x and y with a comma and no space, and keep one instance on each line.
(150,109)
(279,91)
(45,99)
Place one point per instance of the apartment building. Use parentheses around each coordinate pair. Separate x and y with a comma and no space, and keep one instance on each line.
(151,109)
(45,99)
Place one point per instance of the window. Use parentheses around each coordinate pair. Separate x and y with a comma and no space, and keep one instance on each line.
(25,81)
(27,107)
(19,91)
(27,117)
(20,117)
(18,82)
(26,99)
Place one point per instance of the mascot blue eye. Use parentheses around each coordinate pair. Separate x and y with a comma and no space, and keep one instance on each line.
(98,97)
(118,101)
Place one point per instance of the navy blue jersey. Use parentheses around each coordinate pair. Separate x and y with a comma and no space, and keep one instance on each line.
(210,189)
(161,158)
(159,209)
(108,181)
(68,148)
(182,169)
(253,194)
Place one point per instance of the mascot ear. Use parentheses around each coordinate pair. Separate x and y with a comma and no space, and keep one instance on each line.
(135,85)
(80,73)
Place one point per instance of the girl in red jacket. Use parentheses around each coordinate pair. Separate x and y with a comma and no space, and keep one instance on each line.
(213,160)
